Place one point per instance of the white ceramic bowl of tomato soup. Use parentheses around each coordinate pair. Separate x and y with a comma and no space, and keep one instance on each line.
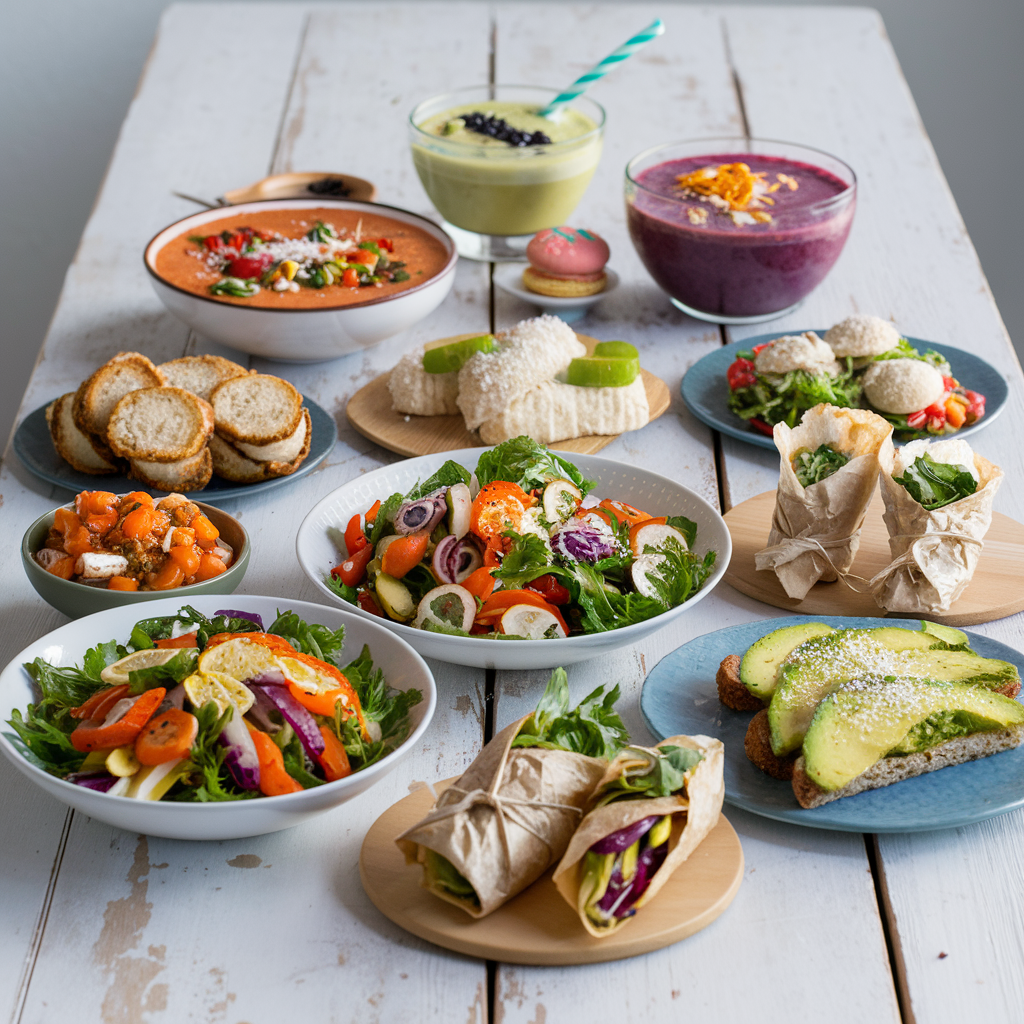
(655,494)
(403,669)
(310,325)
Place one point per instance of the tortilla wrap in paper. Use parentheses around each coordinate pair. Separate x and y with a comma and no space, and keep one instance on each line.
(931,569)
(696,814)
(831,512)
(506,820)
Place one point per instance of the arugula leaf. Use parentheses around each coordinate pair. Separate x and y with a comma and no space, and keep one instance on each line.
(385,518)
(935,484)
(169,674)
(309,638)
(43,738)
(813,467)
(687,527)
(448,475)
(97,658)
(662,774)
(521,460)
(593,728)
(343,590)
(528,558)
(207,760)
(64,685)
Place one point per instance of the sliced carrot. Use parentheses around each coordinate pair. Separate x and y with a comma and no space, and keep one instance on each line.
(209,566)
(95,503)
(100,703)
(139,523)
(168,577)
(185,640)
(183,535)
(344,686)
(498,507)
(274,780)
(371,513)
(101,522)
(93,735)
(624,512)
(166,737)
(186,558)
(122,583)
(318,703)
(405,554)
(501,600)
(137,498)
(334,757)
(62,567)
(206,532)
(480,583)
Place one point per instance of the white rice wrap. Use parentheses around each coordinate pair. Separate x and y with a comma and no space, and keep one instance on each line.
(829,514)
(934,553)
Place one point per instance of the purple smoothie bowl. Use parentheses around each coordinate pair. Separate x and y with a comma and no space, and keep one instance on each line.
(732,269)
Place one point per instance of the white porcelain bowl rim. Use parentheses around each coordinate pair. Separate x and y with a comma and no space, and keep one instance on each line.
(589,465)
(132,613)
(166,235)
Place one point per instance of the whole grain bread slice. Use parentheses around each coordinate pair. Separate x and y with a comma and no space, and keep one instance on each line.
(896,769)
(280,451)
(257,409)
(191,474)
(757,744)
(200,374)
(162,424)
(731,691)
(99,393)
(77,449)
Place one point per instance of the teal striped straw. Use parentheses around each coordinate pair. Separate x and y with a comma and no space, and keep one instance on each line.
(584,82)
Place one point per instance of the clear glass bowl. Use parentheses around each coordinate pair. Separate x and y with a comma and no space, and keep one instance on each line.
(494,198)
(738,273)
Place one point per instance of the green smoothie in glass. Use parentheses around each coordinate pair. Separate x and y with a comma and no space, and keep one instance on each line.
(498,171)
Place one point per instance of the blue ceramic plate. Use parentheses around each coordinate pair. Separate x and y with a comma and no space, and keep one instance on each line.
(680,697)
(33,445)
(706,391)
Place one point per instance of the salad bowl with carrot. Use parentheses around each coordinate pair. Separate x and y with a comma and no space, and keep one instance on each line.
(200,722)
(515,556)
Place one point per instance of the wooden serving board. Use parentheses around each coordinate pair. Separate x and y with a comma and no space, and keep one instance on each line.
(993,593)
(538,926)
(369,410)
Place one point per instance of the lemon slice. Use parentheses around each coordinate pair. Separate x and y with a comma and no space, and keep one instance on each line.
(225,691)
(238,658)
(305,677)
(602,372)
(450,356)
(118,672)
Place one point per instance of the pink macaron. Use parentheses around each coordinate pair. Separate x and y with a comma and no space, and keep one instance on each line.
(568,252)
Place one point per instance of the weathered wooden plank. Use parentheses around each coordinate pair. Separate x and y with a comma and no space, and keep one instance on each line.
(651,100)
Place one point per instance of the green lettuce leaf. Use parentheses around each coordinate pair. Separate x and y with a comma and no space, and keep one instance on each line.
(664,774)
(522,461)
(448,475)
(935,484)
(309,638)
(785,398)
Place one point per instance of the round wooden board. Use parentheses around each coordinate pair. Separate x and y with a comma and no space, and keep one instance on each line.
(369,410)
(538,926)
(993,593)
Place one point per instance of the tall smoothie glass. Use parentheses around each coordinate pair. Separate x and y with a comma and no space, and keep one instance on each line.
(738,244)
(496,191)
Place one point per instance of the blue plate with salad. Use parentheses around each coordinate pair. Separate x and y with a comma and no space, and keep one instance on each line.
(205,722)
(515,557)
(706,389)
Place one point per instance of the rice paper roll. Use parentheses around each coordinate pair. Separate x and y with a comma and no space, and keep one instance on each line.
(651,809)
(816,528)
(512,813)
(935,549)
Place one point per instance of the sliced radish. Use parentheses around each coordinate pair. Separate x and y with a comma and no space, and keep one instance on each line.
(450,605)
(530,621)
(641,570)
(561,500)
(459,504)
(654,535)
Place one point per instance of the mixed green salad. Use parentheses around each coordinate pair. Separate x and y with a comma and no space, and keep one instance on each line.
(512,552)
(813,467)
(199,709)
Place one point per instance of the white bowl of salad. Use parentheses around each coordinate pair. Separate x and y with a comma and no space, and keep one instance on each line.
(150,725)
(515,556)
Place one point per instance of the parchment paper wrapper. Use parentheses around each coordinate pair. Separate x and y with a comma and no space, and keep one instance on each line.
(695,815)
(506,820)
(829,513)
(934,553)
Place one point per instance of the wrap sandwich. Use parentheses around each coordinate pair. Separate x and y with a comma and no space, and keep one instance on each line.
(512,813)
(652,808)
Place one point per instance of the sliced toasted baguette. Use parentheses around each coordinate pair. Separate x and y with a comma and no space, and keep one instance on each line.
(757,744)
(191,474)
(162,424)
(74,447)
(896,769)
(731,691)
(286,451)
(257,409)
(231,464)
(200,374)
(99,394)
(415,391)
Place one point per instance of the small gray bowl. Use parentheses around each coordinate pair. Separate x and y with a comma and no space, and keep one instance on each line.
(78,599)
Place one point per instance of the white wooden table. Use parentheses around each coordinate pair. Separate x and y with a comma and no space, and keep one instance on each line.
(102,925)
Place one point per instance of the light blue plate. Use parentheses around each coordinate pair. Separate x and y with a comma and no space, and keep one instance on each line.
(34,447)
(706,391)
(680,697)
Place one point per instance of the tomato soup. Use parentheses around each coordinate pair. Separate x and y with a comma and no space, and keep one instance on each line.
(315,258)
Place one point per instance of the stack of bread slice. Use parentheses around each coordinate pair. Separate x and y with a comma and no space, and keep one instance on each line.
(160,420)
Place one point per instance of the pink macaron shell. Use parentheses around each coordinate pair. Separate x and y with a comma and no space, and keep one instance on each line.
(569,251)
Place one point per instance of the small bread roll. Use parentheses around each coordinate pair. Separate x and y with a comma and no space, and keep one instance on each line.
(902,386)
(797,352)
(861,335)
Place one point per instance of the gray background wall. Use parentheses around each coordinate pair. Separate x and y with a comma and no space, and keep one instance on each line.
(68,69)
